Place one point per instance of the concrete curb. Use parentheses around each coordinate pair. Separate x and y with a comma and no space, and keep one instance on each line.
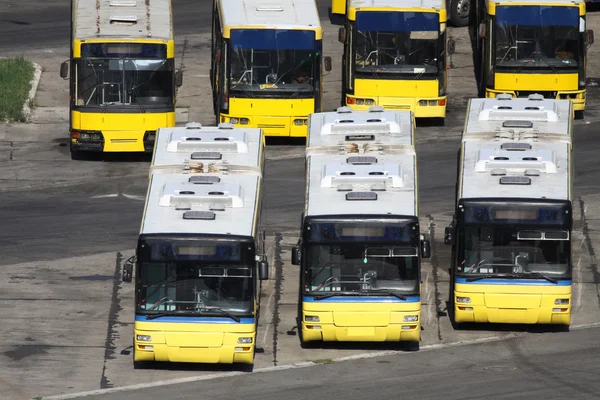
(35,82)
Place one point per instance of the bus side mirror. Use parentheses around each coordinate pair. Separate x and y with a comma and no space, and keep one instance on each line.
(263,270)
(64,70)
(425,249)
(482,30)
(296,255)
(127,272)
(178,78)
(342,34)
(327,61)
(451,46)
(449,235)
(590,37)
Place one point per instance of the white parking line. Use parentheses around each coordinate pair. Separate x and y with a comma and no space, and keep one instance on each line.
(361,356)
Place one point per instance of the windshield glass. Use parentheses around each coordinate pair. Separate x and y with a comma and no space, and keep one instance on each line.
(124,74)
(397,43)
(273,62)
(194,288)
(507,250)
(540,37)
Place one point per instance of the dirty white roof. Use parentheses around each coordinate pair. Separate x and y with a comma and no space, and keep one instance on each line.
(533,2)
(517,147)
(147,19)
(274,14)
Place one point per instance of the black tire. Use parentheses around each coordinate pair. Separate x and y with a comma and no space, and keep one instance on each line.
(459,12)
(78,155)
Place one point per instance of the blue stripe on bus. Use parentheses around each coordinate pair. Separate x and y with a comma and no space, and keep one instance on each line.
(361,299)
(194,320)
(520,282)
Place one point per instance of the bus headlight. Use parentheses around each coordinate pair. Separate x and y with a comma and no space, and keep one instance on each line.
(299,122)
(411,318)
(463,299)
(144,338)
(245,340)
(244,121)
(311,318)
(561,301)
(234,120)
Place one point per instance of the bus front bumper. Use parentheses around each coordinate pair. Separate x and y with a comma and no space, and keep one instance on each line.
(577,97)
(434,107)
(272,126)
(113,141)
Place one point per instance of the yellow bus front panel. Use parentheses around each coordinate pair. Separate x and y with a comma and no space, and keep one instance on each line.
(338,7)
(565,86)
(419,96)
(117,132)
(217,341)
(364,320)
(276,117)
(516,303)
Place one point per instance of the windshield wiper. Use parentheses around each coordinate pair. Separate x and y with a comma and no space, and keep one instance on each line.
(489,276)
(388,292)
(537,275)
(222,312)
(168,313)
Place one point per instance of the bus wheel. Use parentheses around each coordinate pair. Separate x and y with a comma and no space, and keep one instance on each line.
(579,114)
(459,12)
(78,155)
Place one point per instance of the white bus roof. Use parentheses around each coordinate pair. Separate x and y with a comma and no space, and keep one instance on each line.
(124,19)
(434,4)
(359,131)
(366,184)
(270,14)
(227,206)
(517,147)
(574,3)
(239,149)
(534,114)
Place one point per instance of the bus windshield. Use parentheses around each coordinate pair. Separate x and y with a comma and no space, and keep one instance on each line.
(514,250)
(195,277)
(537,37)
(393,42)
(367,257)
(124,75)
(273,62)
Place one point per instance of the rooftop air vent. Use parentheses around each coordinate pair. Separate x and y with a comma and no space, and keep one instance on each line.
(517,124)
(193,125)
(193,139)
(532,108)
(225,125)
(498,172)
(347,173)
(378,187)
(269,8)
(532,172)
(536,97)
(344,110)
(361,160)
(216,207)
(344,187)
(122,3)
(204,180)
(345,121)
(515,180)
(123,19)
(221,139)
(206,155)
(504,96)
(504,108)
(203,215)
(350,138)
(500,158)
(515,146)
(361,196)
(373,120)
(376,109)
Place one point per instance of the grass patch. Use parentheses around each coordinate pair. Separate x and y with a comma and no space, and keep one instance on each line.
(16,74)
(324,361)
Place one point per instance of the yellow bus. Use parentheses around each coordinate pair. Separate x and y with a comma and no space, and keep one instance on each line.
(530,47)
(512,229)
(122,75)
(360,246)
(200,251)
(395,56)
(266,69)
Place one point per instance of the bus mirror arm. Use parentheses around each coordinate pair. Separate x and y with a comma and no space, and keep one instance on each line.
(327,62)
(590,37)
(482,30)
(64,70)
(178,78)
(263,269)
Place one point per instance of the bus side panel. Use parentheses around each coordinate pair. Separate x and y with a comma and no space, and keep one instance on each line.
(276,117)
(206,340)
(355,319)
(512,301)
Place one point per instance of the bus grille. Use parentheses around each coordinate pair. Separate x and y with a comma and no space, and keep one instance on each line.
(270,126)
(396,106)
